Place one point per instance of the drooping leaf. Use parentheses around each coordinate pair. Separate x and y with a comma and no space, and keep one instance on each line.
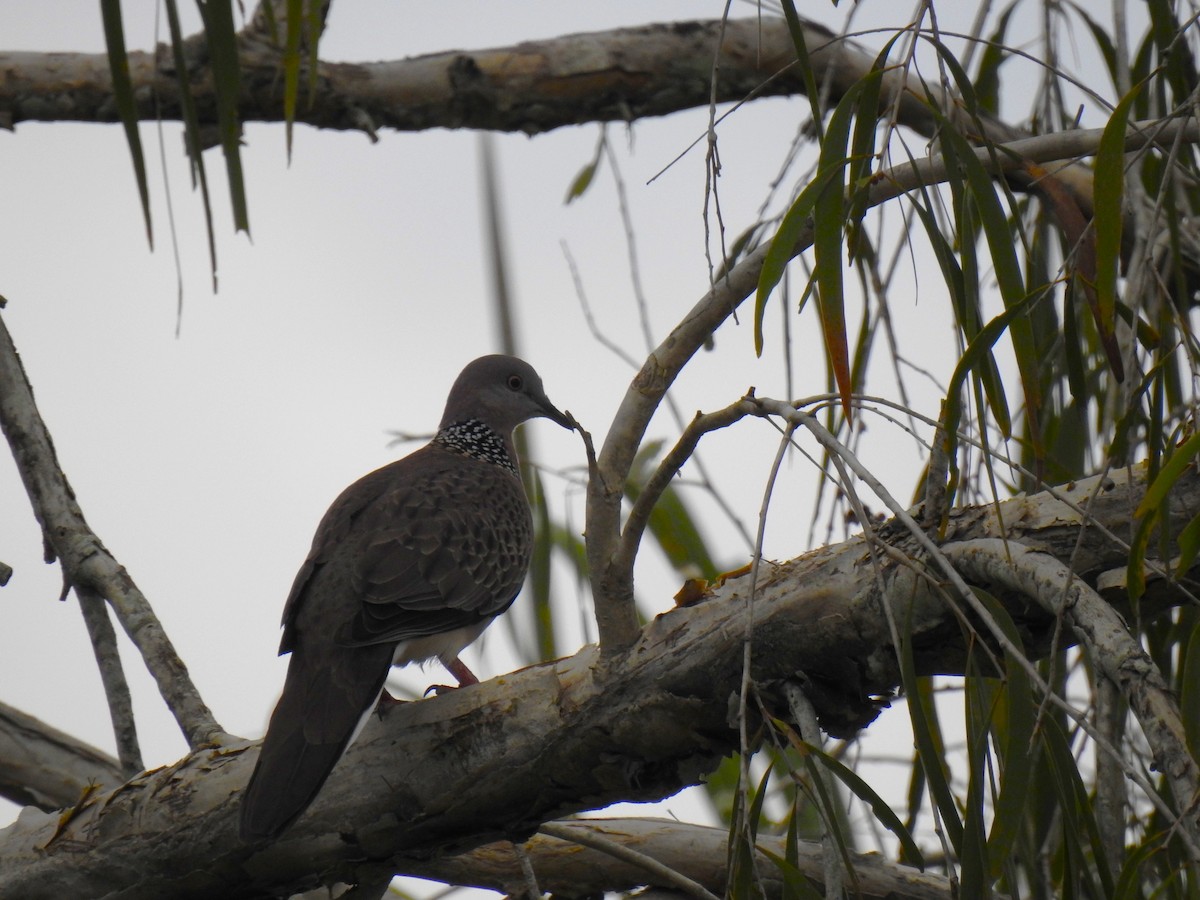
(1172,470)
(291,67)
(122,82)
(1109,220)
(884,813)
(829,222)
(811,89)
(223,58)
(1189,699)
(191,131)
(1003,254)
(987,81)
(927,735)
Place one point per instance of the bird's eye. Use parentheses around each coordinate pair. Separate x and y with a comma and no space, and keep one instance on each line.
(515,383)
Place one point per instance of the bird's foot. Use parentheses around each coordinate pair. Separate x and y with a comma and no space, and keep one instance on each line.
(462,674)
(386,703)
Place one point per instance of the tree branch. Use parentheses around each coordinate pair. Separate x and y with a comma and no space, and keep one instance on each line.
(85,561)
(697,851)
(116,688)
(585,836)
(533,87)
(493,761)
(610,564)
(1110,646)
(44,767)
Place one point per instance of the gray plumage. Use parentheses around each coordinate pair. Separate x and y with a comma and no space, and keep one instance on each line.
(412,562)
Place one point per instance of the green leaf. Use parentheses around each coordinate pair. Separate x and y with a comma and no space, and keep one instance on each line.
(1189,543)
(973,858)
(1132,880)
(587,174)
(884,813)
(829,218)
(1189,700)
(931,749)
(1172,470)
(796,221)
(995,52)
(796,885)
(539,571)
(743,882)
(982,366)
(829,221)
(191,131)
(291,67)
(1078,820)
(1108,217)
(223,56)
(1013,727)
(811,90)
(972,358)
(1003,252)
(1152,510)
(118,65)
(1100,35)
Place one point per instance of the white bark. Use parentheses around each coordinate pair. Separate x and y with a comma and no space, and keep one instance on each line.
(438,777)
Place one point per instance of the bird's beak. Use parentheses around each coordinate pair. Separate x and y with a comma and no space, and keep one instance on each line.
(554,414)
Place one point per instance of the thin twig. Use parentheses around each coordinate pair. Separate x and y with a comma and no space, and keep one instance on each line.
(532,890)
(639,515)
(1113,651)
(805,717)
(84,559)
(938,557)
(613,588)
(587,837)
(112,676)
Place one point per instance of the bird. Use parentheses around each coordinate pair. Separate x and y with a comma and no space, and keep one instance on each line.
(410,563)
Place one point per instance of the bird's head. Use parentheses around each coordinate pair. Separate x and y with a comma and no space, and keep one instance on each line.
(501,392)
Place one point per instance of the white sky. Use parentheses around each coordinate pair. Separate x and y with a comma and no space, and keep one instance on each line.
(204,462)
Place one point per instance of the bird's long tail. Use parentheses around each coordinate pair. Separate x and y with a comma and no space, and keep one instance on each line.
(314,722)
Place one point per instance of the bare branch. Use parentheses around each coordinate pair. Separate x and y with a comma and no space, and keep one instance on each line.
(569,735)
(116,688)
(44,767)
(85,560)
(697,851)
(668,468)
(533,87)
(1109,644)
(584,836)
(611,578)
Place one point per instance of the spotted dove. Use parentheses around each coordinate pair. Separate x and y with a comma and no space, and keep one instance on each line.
(412,562)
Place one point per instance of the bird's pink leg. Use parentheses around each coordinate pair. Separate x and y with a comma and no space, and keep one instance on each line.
(459,670)
(462,674)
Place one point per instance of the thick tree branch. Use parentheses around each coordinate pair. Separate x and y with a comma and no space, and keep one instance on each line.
(1111,647)
(493,761)
(699,852)
(610,563)
(86,562)
(43,767)
(655,872)
(536,86)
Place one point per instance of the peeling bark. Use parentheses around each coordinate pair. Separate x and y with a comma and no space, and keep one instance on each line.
(493,761)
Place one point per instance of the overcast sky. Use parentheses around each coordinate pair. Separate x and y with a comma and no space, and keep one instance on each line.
(205,462)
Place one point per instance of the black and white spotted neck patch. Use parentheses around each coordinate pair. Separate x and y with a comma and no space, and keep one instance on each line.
(474,439)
